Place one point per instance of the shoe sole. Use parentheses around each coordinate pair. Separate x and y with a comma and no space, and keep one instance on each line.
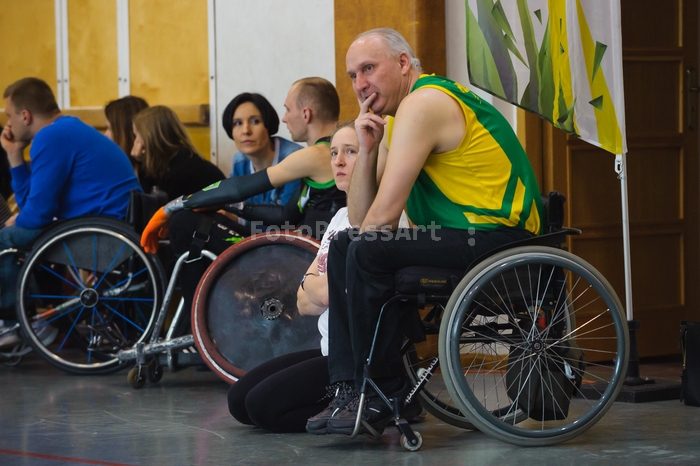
(379,426)
(319,431)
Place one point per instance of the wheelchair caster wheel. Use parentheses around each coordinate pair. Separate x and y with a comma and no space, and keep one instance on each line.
(137,378)
(407,445)
(155,372)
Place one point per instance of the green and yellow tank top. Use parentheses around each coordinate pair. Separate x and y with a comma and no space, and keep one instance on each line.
(486,183)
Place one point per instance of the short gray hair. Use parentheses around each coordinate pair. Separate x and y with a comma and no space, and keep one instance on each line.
(395,44)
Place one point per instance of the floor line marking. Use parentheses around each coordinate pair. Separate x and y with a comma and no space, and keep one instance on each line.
(61,458)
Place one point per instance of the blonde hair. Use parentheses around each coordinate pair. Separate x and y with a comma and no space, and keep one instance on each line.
(163,136)
(338,126)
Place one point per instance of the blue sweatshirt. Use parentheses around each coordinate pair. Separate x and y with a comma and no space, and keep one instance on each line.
(75,171)
(280,195)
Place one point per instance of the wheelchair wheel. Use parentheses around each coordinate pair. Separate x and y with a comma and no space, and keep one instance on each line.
(86,291)
(244,310)
(534,346)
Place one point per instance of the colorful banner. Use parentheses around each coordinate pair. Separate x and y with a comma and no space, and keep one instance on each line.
(561,59)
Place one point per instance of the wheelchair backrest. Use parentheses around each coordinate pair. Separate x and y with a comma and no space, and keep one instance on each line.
(141,208)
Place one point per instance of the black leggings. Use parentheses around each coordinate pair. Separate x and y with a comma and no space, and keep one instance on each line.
(282,393)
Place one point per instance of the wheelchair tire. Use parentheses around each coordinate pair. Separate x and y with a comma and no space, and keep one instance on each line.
(244,311)
(85,291)
(511,339)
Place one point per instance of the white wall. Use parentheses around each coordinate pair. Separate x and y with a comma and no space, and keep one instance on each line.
(456,36)
(264,46)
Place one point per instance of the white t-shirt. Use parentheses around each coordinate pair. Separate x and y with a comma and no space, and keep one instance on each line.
(339,222)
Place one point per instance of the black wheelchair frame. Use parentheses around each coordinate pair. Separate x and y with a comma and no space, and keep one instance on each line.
(523,308)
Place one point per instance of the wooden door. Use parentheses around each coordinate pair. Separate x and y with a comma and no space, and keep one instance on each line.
(660,43)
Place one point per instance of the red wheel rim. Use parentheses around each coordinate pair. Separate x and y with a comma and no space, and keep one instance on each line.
(218,358)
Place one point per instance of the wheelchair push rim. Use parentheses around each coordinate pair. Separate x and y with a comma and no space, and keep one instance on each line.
(511,343)
(85,292)
(244,311)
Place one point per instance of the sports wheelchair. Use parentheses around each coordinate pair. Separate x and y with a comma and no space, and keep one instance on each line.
(102,300)
(85,290)
(244,311)
(529,346)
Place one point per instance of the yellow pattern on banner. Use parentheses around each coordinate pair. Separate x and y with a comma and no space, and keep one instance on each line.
(560,58)
(609,134)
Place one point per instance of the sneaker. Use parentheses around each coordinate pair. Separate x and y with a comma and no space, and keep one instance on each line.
(342,394)
(376,412)
(44,332)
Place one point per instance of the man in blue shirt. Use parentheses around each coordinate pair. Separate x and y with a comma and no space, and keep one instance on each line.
(75,171)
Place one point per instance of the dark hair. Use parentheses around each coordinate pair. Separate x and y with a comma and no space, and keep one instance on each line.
(163,136)
(321,96)
(120,114)
(267,111)
(34,95)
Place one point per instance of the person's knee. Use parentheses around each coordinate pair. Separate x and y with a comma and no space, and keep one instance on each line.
(365,250)
(340,243)
(236,405)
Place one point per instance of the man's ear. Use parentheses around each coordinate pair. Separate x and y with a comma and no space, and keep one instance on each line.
(27,117)
(404,62)
(306,111)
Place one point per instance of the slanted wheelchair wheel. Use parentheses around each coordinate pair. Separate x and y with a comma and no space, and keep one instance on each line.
(86,291)
(514,339)
(245,312)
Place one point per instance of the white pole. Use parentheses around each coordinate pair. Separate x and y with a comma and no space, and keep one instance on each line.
(123,48)
(621,170)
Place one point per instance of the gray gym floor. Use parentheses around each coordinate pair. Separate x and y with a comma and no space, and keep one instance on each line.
(50,418)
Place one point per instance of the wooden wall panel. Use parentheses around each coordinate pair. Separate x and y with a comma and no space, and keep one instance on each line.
(650,78)
(92,52)
(169,51)
(664,254)
(421,22)
(655,185)
(27,51)
(595,189)
(662,175)
(657,30)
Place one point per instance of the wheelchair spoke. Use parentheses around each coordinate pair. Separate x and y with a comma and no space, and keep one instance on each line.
(123,317)
(60,347)
(124,281)
(76,272)
(140,300)
(61,277)
(62,314)
(109,268)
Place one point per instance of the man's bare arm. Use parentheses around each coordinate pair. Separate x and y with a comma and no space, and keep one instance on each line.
(313,162)
(364,182)
(428,121)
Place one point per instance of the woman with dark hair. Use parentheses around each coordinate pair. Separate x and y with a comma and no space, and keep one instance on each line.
(169,160)
(120,114)
(251,122)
